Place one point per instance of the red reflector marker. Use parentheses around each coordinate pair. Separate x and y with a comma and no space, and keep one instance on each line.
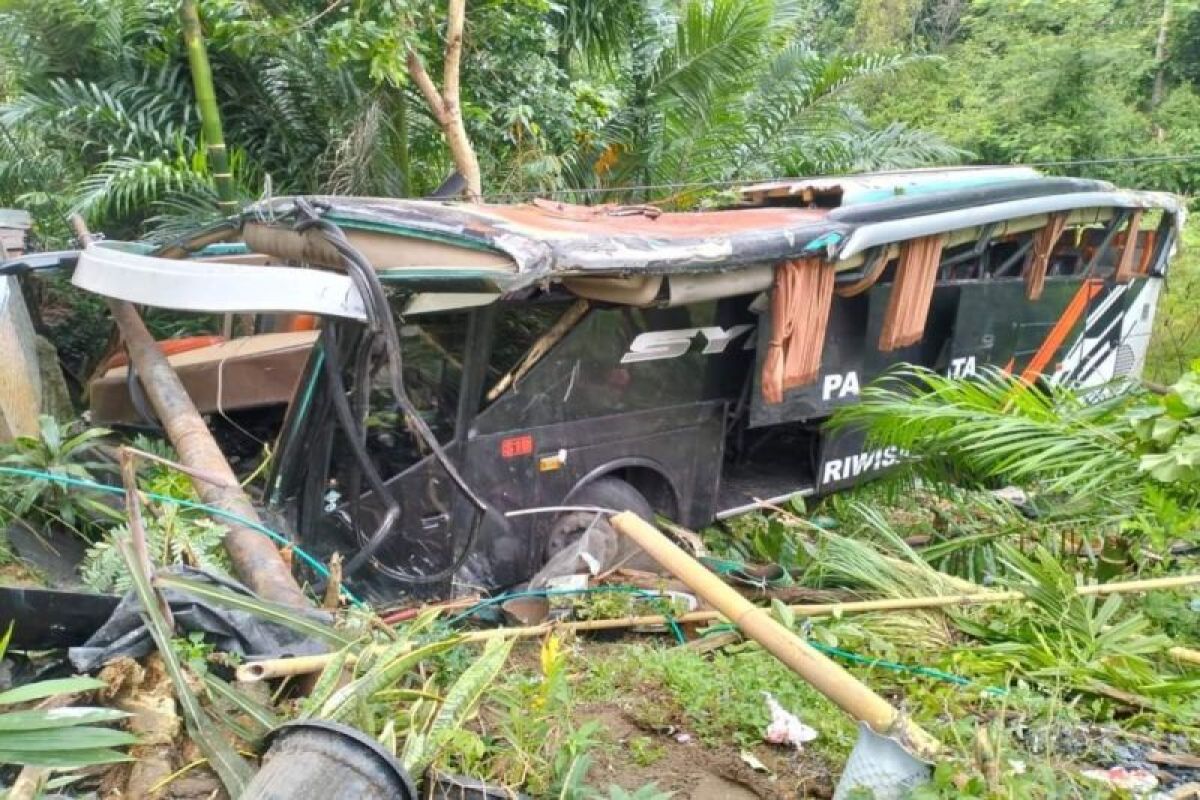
(515,446)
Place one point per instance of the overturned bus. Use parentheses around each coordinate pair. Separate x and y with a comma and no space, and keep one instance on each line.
(483,375)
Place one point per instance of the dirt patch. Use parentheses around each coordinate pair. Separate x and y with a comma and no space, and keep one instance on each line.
(639,753)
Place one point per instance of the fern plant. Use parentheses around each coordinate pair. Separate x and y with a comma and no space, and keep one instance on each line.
(173,536)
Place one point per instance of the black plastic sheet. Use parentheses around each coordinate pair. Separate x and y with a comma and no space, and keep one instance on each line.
(227,630)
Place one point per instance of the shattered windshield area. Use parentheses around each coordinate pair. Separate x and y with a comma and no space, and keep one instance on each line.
(433,350)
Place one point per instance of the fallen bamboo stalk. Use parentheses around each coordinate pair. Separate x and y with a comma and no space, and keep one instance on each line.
(285,667)
(821,672)
(254,557)
(1185,654)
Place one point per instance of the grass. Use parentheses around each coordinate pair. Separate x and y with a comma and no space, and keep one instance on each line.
(1176,340)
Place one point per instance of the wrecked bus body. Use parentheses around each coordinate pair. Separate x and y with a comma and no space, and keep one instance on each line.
(556,358)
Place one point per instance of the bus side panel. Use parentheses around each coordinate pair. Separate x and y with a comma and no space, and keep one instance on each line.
(623,360)
(851,357)
(1081,333)
(1115,337)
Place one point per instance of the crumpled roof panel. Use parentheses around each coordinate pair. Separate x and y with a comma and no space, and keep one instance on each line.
(546,239)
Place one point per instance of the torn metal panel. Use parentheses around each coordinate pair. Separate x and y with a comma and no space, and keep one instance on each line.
(851,190)
(887,231)
(114,269)
(553,239)
(520,245)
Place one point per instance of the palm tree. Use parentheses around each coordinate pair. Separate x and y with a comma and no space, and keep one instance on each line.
(720,90)
(97,112)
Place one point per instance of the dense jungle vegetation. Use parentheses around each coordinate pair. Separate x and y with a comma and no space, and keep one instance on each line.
(671,102)
(98,111)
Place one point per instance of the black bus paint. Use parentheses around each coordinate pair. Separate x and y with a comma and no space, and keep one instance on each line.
(665,398)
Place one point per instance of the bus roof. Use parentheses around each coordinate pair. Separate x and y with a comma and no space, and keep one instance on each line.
(502,248)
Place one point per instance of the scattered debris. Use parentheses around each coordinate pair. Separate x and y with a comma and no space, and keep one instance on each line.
(785,727)
(754,762)
(241,633)
(1136,781)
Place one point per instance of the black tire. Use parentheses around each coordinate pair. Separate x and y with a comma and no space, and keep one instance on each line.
(607,493)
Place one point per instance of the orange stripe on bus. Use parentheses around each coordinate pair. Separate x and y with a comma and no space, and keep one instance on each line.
(1058,334)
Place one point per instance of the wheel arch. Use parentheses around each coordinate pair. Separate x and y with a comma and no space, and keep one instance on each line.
(644,474)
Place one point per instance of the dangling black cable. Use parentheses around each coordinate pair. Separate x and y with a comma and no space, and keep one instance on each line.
(382,325)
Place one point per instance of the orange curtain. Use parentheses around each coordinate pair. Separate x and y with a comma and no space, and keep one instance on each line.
(1149,241)
(1124,273)
(800,302)
(1039,260)
(912,291)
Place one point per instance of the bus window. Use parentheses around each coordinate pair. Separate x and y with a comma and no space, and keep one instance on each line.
(518,327)
(432,347)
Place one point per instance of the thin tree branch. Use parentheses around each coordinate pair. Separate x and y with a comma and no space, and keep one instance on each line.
(416,71)
(446,106)
(456,17)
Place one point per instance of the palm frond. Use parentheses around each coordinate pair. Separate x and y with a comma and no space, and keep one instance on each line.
(994,426)
(125,184)
(716,43)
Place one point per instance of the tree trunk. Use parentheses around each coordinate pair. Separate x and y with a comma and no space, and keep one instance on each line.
(1160,64)
(446,106)
(402,157)
(206,102)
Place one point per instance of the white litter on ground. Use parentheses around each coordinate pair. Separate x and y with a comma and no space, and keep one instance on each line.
(785,727)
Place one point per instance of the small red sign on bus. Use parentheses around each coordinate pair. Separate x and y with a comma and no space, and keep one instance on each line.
(515,446)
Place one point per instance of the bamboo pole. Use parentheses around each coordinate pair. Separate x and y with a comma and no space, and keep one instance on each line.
(206,103)
(282,667)
(756,622)
(254,557)
(254,671)
(1185,654)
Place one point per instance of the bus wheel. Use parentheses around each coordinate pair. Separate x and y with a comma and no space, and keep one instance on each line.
(605,545)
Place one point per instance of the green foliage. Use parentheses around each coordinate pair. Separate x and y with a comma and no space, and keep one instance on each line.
(1022,81)
(1176,340)
(718,698)
(173,536)
(1064,639)
(62,738)
(59,451)
(529,740)
(723,90)
(995,427)
(597,93)
(1168,434)
(424,744)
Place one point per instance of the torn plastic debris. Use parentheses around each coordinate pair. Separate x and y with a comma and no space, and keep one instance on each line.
(238,632)
(881,766)
(1134,781)
(586,555)
(785,727)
